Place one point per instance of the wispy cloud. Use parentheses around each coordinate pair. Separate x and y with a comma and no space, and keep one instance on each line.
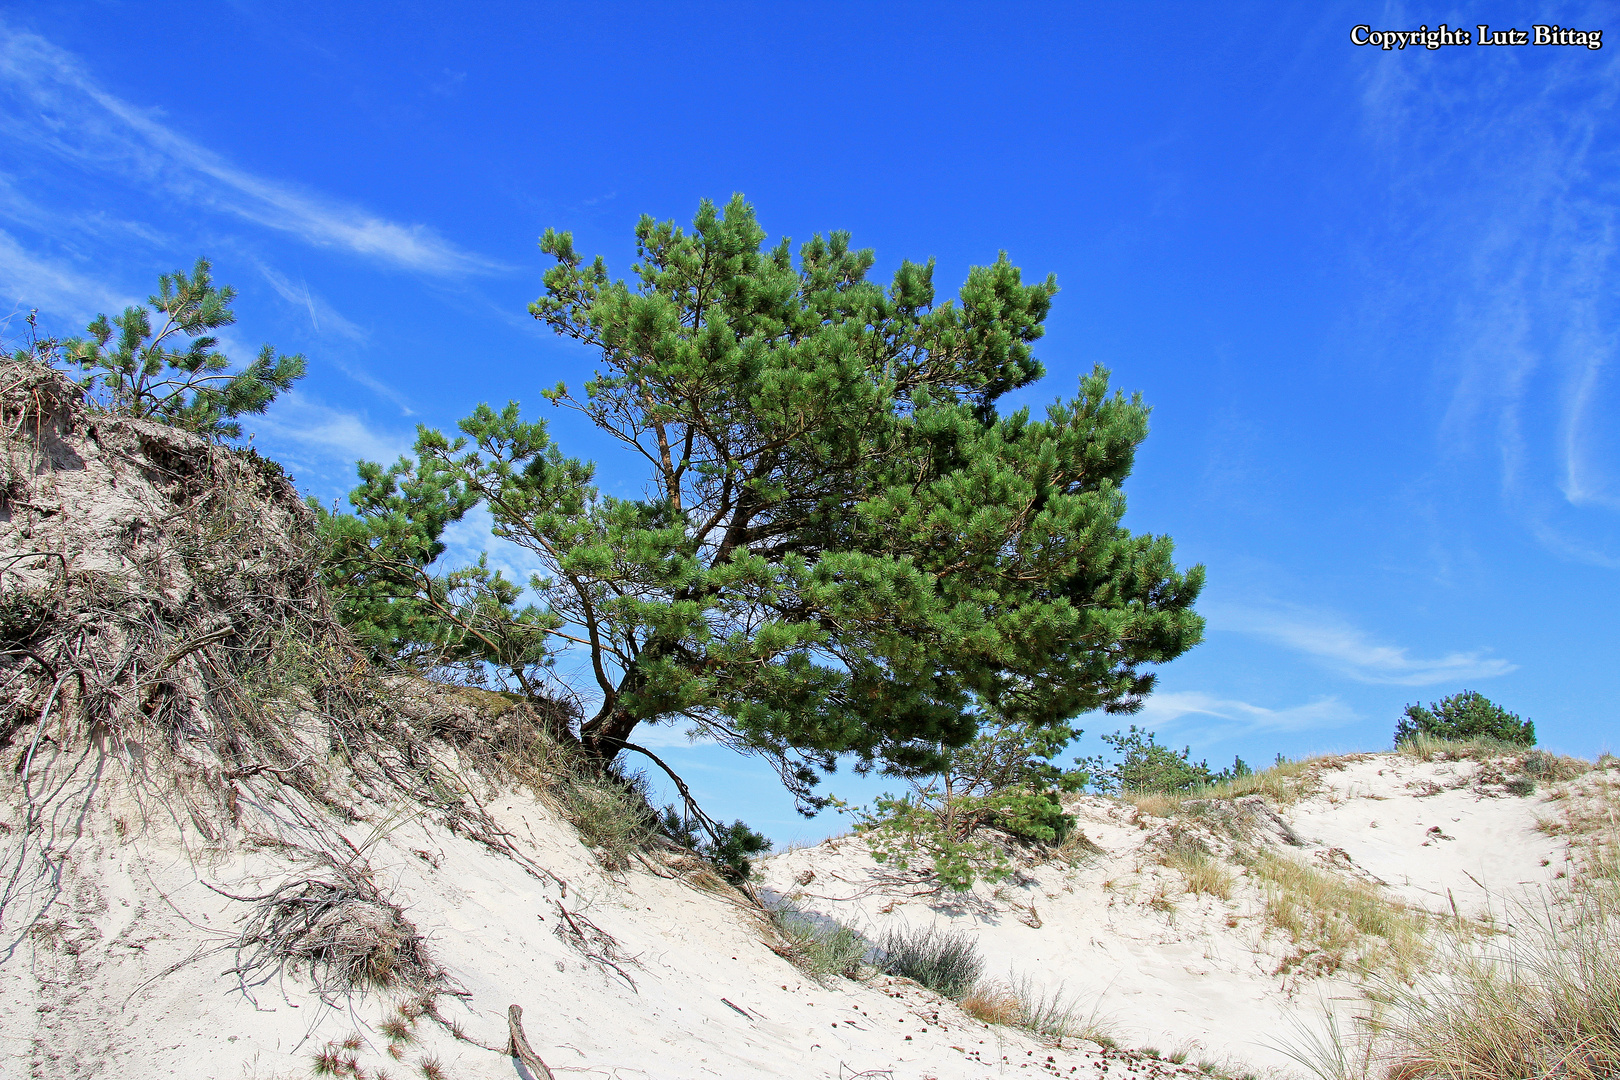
(1349,650)
(1522,249)
(1193,714)
(321,431)
(30,280)
(64,111)
(322,316)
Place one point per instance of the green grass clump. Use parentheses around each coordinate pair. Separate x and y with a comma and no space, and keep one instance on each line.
(821,947)
(945,962)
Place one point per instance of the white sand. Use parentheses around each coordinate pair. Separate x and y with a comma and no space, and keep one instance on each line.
(122,974)
(125,978)
(1157,966)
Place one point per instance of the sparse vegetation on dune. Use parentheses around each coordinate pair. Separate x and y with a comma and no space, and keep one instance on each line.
(1202,871)
(1541,999)
(820,947)
(1336,920)
(1281,784)
(944,961)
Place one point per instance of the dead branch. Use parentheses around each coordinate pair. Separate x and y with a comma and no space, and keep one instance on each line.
(519,1046)
(593,943)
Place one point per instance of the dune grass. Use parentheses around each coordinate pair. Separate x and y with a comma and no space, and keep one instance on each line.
(1542,1001)
(819,946)
(1203,873)
(1045,1013)
(1338,920)
(1282,785)
(945,962)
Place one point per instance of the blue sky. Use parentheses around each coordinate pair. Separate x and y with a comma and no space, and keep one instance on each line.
(1369,294)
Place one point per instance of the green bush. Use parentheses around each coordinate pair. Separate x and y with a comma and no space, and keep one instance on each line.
(944,962)
(1464,716)
(130,368)
(1144,766)
(1004,780)
(728,847)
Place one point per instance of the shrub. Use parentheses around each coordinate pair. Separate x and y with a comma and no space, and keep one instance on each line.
(1003,780)
(948,963)
(1464,716)
(728,847)
(1145,766)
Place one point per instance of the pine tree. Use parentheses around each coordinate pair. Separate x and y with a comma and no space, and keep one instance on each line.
(845,548)
(380,565)
(144,373)
(1466,715)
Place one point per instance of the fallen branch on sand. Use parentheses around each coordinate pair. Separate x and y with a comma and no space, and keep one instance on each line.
(520,1047)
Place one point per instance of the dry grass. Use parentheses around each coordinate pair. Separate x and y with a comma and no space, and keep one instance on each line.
(1282,785)
(1542,1002)
(1339,921)
(1426,748)
(610,812)
(1048,1014)
(1153,803)
(1204,874)
(993,1003)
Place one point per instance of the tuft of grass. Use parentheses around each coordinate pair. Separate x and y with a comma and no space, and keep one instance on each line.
(821,947)
(992,1003)
(327,1061)
(1543,1002)
(1204,874)
(1051,1015)
(396,1029)
(432,1068)
(1549,768)
(1048,1014)
(610,811)
(1154,803)
(1341,920)
(948,963)
(1283,784)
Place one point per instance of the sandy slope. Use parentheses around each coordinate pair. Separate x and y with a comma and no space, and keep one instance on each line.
(122,977)
(125,971)
(1158,966)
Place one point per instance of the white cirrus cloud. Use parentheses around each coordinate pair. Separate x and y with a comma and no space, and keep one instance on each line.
(31,280)
(322,316)
(58,108)
(1525,300)
(320,431)
(1351,651)
(1193,713)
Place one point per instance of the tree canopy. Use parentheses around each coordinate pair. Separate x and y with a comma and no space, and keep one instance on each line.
(843,547)
(1465,715)
(145,374)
